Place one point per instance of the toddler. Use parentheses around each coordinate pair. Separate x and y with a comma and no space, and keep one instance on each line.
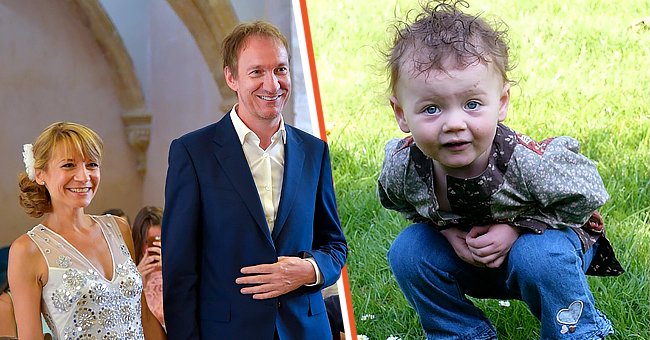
(496,214)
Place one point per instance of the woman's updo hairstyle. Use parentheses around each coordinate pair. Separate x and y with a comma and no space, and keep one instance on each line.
(76,139)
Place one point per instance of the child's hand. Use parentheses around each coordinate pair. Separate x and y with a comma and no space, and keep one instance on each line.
(489,245)
(456,238)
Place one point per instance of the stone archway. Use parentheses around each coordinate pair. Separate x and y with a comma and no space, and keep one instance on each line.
(209,21)
(135,118)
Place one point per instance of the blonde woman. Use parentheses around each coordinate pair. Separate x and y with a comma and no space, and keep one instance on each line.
(74,268)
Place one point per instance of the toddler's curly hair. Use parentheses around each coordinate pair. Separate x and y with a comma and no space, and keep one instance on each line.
(441,33)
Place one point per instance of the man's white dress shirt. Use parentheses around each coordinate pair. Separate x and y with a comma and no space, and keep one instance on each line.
(267,168)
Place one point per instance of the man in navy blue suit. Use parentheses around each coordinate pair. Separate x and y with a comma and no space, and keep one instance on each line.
(250,231)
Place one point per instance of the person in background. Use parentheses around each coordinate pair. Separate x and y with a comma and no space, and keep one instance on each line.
(7,318)
(74,268)
(119,213)
(148,256)
(335,316)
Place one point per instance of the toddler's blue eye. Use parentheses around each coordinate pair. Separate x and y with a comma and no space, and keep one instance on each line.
(431,110)
(472,105)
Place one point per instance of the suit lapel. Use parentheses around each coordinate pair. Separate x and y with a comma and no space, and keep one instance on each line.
(229,154)
(294,158)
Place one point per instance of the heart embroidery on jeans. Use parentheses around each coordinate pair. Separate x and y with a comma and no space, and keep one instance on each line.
(571,315)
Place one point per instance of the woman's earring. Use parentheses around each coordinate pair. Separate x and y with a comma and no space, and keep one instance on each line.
(42,182)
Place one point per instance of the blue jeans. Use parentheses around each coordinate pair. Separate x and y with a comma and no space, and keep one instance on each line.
(545,271)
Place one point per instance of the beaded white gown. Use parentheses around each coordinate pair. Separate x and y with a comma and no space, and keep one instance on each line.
(78,302)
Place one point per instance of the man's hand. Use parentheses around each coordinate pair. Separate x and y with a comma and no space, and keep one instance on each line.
(456,238)
(489,245)
(273,280)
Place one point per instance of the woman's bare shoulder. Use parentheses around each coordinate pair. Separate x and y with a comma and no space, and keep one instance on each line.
(25,257)
(24,246)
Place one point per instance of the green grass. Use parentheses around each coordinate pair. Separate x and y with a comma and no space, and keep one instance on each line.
(582,70)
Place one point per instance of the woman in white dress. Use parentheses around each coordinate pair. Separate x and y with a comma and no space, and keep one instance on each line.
(75,269)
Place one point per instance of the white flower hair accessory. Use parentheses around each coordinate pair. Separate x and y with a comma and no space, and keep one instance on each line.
(28,159)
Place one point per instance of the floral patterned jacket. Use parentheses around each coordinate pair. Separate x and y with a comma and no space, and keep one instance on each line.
(526,184)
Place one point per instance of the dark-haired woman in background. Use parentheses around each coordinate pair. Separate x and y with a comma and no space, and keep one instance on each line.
(146,241)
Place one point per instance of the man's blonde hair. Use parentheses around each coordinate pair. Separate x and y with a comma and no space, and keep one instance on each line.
(236,40)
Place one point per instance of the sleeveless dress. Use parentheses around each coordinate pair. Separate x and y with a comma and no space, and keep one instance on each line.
(78,302)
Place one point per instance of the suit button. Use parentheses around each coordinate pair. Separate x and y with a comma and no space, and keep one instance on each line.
(279,304)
